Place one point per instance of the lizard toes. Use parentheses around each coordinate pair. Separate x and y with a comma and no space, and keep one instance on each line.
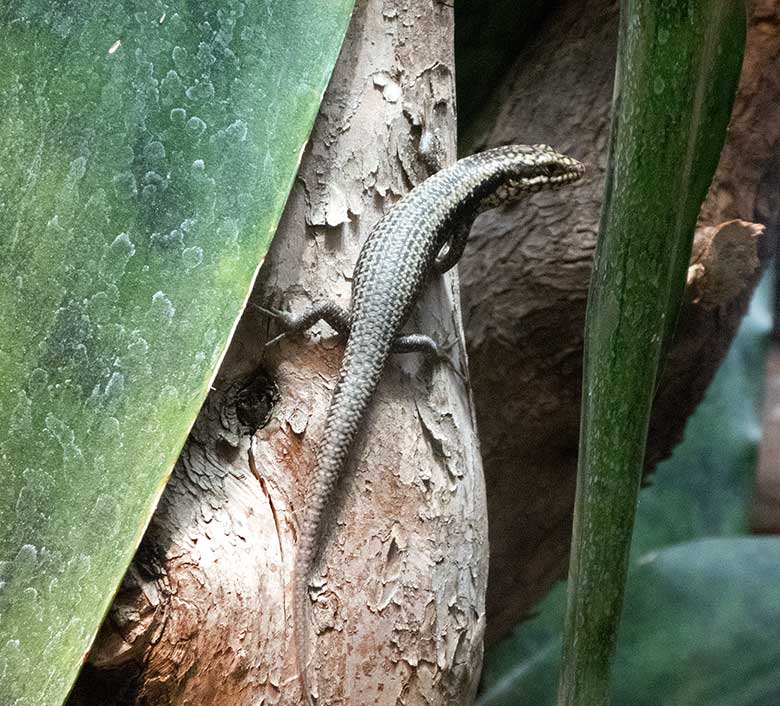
(445,355)
(273,313)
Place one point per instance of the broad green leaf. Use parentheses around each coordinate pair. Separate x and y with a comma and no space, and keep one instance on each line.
(146,152)
(702,491)
(677,70)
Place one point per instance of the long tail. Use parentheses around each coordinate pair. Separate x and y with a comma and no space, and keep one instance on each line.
(300,595)
(358,379)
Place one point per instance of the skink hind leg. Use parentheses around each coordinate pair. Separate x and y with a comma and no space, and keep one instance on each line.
(420,343)
(335,316)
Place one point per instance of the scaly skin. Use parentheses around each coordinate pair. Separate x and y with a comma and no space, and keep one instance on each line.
(400,254)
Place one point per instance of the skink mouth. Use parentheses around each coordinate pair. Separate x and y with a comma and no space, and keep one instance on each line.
(557,166)
(566,171)
(558,172)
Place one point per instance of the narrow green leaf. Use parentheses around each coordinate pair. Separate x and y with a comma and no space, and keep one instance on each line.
(146,152)
(678,64)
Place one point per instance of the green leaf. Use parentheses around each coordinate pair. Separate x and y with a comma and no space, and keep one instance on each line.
(146,153)
(677,71)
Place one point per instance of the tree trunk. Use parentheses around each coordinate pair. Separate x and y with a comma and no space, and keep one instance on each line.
(398,612)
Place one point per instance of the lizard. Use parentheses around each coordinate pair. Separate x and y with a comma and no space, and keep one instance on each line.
(424,234)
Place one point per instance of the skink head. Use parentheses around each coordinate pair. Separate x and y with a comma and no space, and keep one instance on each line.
(528,168)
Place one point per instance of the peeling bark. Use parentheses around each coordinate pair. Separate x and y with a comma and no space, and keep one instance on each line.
(525,278)
(398,612)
